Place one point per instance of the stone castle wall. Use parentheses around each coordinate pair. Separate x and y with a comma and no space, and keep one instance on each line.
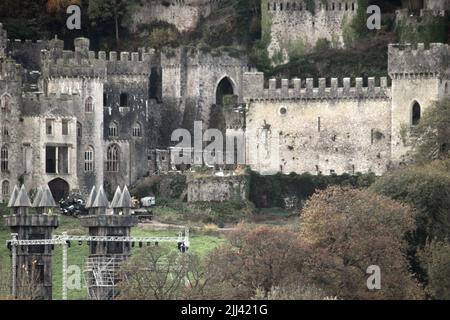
(318,129)
(293,25)
(217,189)
(183,14)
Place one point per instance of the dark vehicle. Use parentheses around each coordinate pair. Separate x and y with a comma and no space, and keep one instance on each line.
(73,207)
(143,215)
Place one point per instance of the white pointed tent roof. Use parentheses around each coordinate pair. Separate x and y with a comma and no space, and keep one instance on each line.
(47,200)
(91,198)
(116,198)
(125,199)
(22,198)
(101,201)
(38,197)
(13,197)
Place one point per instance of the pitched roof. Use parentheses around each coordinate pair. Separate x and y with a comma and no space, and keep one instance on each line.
(13,197)
(116,197)
(91,198)
(38,197)
(125,199)
(101,201)
(47,200)
(22,198)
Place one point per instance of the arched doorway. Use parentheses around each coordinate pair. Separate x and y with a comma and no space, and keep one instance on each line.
(224,91)
(224,88)
(416,113)
(59,189)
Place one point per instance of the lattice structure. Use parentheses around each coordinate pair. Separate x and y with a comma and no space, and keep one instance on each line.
(102,275)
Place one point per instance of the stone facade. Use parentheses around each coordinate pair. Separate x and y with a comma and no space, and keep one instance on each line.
(340,127)
(183,14)
(217,188)
(298,25)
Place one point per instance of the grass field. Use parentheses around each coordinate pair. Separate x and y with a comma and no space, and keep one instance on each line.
(199,243)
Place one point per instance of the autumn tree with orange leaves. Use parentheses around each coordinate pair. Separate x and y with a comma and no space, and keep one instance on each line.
(347,230)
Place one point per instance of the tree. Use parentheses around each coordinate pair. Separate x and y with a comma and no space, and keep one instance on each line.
(435,258)
(427,189)
(163,36)
(154,273)
(347,230)
(257,258)
(115,11)
(430,139)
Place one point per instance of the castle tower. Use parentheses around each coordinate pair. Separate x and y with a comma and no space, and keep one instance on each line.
(79,73)
(419,78)
(106,257)
(297,25)
(33,264)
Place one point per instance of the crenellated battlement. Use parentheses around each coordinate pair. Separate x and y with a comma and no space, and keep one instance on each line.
(85,63)
(297,88)
(309,7)
(409,60)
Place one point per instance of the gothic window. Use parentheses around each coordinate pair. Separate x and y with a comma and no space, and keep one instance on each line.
(5,130)
(89,159)
(4,159)
(416,113)
(49,127)
(79,130)
(137,130)
(5,188)
(89,105)
(65,127)
(112,158)
(124,100)
(6,103)
(113,129)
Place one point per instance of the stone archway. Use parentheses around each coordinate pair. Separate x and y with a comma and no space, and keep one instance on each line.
(59,188)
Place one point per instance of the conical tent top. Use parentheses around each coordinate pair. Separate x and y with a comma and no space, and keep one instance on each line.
(116,198)
(13,197)
(91,198)
(125,199)
(38,197)
(22,198)
(101,201)
(47,200)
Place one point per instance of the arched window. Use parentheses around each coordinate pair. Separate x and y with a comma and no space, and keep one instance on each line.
(124,99)
(112,158)
(416,113)
(79,130)
(89,105)
(89,159)
(113,129)
(5,129)
(4,159)
(6,103)
(5,188)
(137,130)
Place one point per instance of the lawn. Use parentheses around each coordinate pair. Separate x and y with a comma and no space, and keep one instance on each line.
(199,243)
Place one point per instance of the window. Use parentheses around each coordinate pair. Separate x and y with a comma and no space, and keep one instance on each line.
(124,100)
(49,127)
(113,129)
(79,130)
(50,159)
(65,127)
(416,113)
(105,99)
(89,105)
(4,159)
(5,188)
(6,103)
(89,159)
(137,132)
(5,130)
(112,158)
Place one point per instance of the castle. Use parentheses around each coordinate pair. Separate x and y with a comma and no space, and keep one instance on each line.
(75,119)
